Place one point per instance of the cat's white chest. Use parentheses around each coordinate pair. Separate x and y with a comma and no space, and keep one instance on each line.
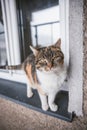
(51,81)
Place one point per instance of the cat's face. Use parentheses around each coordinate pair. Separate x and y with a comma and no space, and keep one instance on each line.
(48,58)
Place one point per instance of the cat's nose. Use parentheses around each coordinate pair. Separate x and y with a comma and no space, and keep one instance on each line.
(50,65)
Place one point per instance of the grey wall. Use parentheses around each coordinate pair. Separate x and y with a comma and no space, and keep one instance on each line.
(75,81)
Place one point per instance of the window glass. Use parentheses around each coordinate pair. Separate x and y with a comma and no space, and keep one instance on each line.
(45,25)
(39,23)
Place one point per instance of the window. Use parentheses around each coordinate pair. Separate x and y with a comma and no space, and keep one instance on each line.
(36,22)
(10,37)
(33,22)
(45,30)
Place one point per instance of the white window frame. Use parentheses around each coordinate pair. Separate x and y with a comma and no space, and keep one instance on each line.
(11,39)
(12,36)
(64,28)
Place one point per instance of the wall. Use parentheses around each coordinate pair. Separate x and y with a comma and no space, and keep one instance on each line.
(85,57)
(75,80)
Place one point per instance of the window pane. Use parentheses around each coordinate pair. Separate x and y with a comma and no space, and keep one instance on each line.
(56,31)
(45,26)
(39,23)
(3,55)
(44,35)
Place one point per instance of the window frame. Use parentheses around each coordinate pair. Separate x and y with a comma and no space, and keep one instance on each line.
(64,31)
(12,40)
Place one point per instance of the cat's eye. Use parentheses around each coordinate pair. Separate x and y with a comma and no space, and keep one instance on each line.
(43,63)
(56,60)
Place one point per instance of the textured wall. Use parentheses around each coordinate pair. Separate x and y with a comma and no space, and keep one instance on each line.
(85,57)
(76,56)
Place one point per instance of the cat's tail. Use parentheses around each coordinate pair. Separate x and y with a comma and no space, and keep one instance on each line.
(12,67)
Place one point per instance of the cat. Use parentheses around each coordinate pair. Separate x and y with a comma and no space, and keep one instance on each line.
(45,71)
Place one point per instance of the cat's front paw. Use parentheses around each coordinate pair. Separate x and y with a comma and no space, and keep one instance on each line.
(45,107)
(53,107)
(29,94)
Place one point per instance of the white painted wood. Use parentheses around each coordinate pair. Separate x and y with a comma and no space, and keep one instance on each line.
(14,76)
(64,28)
(6,30)
(11,31)
(15,33)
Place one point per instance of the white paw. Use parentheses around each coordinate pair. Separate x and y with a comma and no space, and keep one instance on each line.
(45,107)
(53,107)
(29,94)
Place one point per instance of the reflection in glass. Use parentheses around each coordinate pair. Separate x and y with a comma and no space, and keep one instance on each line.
(45,26)
(39,23)
(3,55)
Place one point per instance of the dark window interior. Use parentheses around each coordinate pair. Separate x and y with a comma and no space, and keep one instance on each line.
(38,23)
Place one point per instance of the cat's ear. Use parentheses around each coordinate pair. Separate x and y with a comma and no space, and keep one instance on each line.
(58,43)
(35,51)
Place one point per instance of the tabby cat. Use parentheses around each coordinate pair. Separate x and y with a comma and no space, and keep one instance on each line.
(45,72)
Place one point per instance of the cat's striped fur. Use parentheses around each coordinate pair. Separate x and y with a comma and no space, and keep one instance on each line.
(43,67)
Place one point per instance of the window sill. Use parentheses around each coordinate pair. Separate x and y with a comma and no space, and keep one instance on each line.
(17,92)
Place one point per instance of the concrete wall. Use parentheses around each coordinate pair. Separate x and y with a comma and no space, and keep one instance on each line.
(85,58)
(76,56)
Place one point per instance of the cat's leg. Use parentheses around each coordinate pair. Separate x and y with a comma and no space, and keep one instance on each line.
(44,103)
(29,88)
(29,91)
(51,98)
